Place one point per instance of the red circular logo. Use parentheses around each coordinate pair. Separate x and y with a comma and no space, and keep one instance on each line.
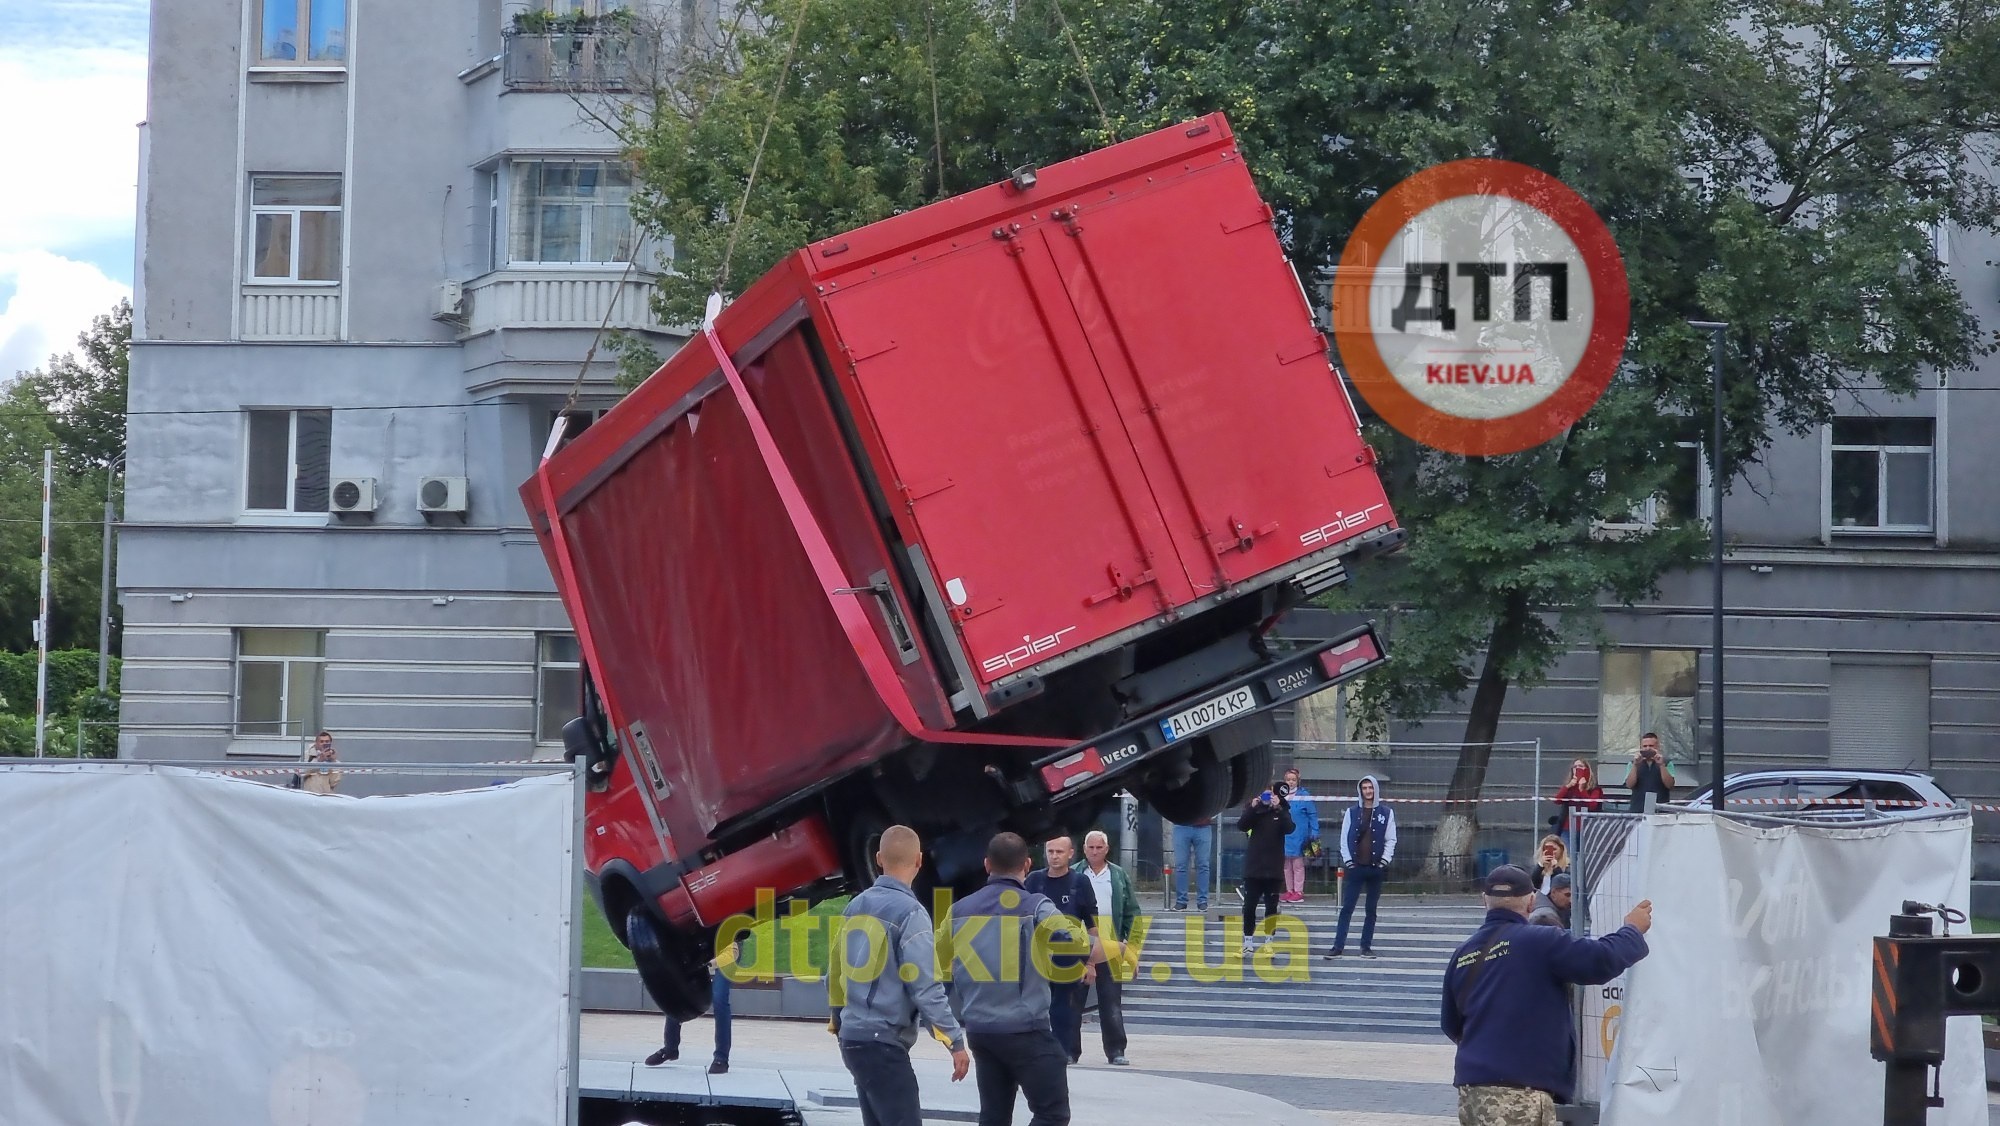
(1481,307)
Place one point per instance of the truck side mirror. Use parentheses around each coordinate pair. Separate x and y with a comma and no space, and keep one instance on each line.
(581,742)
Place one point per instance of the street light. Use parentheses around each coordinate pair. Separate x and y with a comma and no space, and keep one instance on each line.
(104,584)
(1715,329)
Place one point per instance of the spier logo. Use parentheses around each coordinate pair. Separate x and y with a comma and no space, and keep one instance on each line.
(1481,307)
(1026,652)
(1329,532)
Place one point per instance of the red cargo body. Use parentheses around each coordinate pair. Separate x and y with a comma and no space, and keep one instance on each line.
(1031,425)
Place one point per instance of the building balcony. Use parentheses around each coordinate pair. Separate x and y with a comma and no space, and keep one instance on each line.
(615,61)
(287,313)
(526,331)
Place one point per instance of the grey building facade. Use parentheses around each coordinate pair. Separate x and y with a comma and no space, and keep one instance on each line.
(376,241)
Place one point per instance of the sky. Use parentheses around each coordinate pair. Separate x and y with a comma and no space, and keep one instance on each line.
(73,79)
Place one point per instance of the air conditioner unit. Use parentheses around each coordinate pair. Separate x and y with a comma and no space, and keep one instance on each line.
(450,302)
(440,498)
(353,496)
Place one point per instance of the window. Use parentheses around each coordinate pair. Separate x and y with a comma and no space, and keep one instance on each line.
(1684,495)
(286,461)
(307,32)
(280,682)
(1643,690)
(570,211)
(558,685)
(1879,714)
(1880,476)
(295,229)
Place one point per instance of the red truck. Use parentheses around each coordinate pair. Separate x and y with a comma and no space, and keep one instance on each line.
(966,520)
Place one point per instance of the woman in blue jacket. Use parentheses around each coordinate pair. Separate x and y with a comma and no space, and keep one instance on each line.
(1305,830)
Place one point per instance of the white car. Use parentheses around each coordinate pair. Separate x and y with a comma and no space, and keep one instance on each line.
(1831,793)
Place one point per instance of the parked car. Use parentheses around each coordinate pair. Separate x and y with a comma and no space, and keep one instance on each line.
(1832,793)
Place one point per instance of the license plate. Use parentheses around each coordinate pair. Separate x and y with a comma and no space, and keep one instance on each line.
(1208,713)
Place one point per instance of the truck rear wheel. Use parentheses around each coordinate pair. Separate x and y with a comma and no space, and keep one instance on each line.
(1249,773)
(1204,794)
(670,963)
(860,841)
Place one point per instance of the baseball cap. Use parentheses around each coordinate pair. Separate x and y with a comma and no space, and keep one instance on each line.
(1508,881)
(1559,881)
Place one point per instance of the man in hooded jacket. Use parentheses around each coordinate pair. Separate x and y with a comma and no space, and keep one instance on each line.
(1367,846)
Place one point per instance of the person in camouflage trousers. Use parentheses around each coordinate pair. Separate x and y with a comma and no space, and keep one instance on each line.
(1506,1106)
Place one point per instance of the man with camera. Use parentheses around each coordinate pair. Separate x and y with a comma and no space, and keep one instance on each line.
(1650,773)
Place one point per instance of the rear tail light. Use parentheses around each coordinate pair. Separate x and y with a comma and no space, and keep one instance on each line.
(1075,770)
(1350,658)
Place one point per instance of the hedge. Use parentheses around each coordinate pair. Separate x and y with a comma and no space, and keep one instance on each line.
(72,673)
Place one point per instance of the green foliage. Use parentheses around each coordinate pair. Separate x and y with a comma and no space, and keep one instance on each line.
(1826,162)
(72,678)
(74,405)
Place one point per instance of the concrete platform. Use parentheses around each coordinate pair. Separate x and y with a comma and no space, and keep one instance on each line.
(785,1066)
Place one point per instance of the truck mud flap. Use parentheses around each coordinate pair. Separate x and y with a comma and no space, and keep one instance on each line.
(1085,766)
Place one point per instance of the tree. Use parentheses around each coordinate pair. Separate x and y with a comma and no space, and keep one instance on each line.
(1824,170)
(1824,165)
(74,405)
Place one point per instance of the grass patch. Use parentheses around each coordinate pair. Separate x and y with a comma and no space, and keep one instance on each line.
(1985,926)
(603,951)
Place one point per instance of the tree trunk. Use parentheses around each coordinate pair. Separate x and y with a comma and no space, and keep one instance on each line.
(1451,846)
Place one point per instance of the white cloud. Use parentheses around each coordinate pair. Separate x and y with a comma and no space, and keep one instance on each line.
(53,300)
(73,74)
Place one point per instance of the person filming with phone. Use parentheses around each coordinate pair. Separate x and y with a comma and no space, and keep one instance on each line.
(1650,773)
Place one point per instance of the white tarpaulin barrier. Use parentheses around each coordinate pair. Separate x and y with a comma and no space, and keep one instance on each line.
(183,949)
(1753,1007)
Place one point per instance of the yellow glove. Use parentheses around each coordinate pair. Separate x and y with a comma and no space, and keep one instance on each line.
(940,1037)
(833,1023)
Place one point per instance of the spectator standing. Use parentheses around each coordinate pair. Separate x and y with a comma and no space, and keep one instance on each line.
(876,1021)
(1193,845)
(321,778)
(718,1000)
(1552,907)
(1367,846)
(1580,793)
(1551,859)
(1118,964)
(1305,833)
(1506,1004)
(1267,820)
(1073,896)
(1650,773)
(1006,1012)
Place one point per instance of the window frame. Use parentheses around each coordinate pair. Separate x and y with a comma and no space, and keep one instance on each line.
(1881,451)
(542,665)
(294,211)
(304,11)
(284,663)
(291,513)
(507,170)
(1649,720)
(1645,516)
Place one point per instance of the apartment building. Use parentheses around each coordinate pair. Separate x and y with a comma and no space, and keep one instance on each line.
(376,242)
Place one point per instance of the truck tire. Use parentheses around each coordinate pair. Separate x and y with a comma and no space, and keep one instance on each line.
(1204,794)
(670,965)
(860,841)
(1249,773)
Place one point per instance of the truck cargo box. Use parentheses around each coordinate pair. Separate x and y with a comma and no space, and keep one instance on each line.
(1029,426)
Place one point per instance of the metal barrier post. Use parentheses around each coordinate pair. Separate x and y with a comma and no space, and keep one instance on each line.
(1535,822)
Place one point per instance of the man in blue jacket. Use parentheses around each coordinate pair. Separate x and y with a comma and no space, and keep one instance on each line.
(1367,846)
(1506,1004)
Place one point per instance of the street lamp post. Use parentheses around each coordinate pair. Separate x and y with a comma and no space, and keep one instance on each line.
(1715,329)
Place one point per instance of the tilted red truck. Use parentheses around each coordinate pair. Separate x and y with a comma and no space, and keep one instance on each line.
(987,516)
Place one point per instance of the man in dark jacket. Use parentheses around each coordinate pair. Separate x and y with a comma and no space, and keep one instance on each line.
(989,941)
(1367,845)
(1506,1004)
(1073,895)
(1267,819)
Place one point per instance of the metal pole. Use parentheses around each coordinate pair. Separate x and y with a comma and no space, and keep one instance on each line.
(42,619)
(1535,826)
(1715,330)
(104,587)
